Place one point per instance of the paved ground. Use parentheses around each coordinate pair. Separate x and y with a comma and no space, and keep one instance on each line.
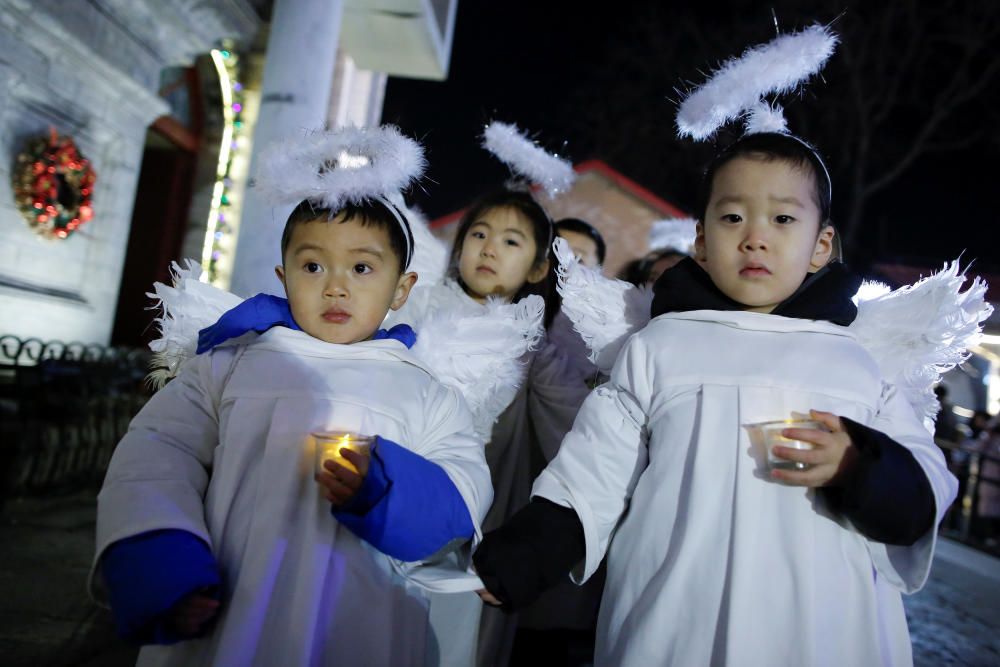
(955,619)
(46,618)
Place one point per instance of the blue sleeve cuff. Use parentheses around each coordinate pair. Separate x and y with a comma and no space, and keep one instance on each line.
(374,487)
(146,575)
(401,332)
(407,508)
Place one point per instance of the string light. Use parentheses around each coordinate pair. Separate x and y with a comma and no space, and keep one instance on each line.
(230,174)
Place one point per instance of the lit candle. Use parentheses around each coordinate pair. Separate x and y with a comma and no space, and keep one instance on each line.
(330,443)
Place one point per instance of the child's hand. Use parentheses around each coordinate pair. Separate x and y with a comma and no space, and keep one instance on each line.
(189,616)
(341,484)
(488,597)
(832,453)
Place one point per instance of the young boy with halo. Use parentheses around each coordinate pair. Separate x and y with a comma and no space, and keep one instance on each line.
(212,536)
(714,555)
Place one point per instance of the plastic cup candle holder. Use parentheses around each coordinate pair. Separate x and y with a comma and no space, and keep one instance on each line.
(330,443)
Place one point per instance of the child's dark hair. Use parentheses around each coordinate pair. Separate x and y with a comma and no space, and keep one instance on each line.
(770,146)
(588,230)
(639,271)
(371,213)
(541,225)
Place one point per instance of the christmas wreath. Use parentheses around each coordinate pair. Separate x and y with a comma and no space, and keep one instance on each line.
(53,185)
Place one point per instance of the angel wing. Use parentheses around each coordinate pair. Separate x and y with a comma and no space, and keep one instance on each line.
(677,234)
(920,331)
(478,351)
(604,311)
(186,307)
(480,354)
(430,254)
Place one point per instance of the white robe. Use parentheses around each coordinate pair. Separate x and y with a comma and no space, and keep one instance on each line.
(525,438)
(711,562)
(425,300)
(223,452)
(454,618)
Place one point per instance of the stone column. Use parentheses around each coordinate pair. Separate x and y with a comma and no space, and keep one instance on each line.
(357,95)
(298,76)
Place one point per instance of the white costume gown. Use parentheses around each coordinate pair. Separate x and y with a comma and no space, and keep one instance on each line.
(710,562)
(526,437)
(541,407)
(223,452)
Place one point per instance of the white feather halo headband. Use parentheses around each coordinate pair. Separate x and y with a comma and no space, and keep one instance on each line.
(738,88)
(673,234)
(332,168)
(509,145)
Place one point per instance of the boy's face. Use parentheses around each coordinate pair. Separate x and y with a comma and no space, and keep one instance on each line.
(341,278)
(498,253)
(761,235)
(584,247)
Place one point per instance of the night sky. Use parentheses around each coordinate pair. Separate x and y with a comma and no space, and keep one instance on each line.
(592,83)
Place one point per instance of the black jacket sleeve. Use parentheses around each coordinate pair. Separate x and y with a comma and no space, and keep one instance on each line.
(530,553)
(886,495)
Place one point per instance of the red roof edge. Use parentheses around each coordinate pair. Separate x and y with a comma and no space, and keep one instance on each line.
(628,184)
(608,172)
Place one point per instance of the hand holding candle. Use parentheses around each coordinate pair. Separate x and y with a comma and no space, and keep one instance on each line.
(341,464)
(832,454)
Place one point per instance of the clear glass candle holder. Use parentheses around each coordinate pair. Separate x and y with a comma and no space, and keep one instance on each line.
(770,434)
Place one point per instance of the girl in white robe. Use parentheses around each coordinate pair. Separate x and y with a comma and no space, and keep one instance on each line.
(501,250)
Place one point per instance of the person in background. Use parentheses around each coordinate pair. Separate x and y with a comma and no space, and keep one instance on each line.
(946,427)
(670,241)
(586,242)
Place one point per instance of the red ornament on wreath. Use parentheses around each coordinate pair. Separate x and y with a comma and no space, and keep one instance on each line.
(53,186)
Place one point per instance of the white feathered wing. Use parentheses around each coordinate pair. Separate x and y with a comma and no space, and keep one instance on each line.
(186,307)
(920,331)
(604,311)
(430,254)
(478,353)
(481,354)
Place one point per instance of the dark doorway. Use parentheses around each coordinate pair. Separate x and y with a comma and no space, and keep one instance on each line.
(162,203)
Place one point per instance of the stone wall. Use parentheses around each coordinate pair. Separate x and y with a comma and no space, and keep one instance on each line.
(89,69)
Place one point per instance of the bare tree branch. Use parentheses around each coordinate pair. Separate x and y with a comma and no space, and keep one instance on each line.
(911,78)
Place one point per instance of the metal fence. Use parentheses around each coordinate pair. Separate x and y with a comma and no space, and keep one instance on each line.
(63,408)
(977,473)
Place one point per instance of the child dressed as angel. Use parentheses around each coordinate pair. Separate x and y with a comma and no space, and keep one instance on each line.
(714,556)
(216,536)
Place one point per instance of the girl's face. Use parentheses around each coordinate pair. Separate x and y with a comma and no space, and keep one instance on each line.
(498,255)
(761,234)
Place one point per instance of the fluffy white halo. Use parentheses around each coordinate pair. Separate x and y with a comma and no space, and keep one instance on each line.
(673,234)
(554,174)
(739,85)
(331,168)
